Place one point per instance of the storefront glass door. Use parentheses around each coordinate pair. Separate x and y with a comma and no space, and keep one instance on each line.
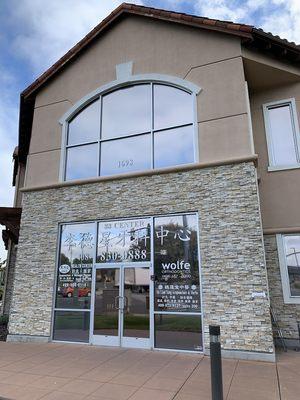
(121,306)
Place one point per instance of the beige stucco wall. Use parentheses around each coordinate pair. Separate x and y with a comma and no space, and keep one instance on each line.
(279,190)
(208,59)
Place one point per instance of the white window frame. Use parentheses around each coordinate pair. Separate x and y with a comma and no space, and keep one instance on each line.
(287,297)
(294,119)
(128,81)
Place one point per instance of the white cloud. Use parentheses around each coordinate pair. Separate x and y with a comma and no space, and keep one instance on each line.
(286,21)
(50,28)
(281,17)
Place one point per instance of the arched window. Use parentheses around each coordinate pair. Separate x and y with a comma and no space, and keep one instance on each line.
(133,128)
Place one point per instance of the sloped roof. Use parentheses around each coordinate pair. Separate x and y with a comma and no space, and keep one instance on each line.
(250,36)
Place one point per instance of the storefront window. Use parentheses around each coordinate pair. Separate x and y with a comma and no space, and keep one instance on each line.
(146,277)
(124,241)
(71,326)
(292,258)
(75,267)
(182,332)
(176,264)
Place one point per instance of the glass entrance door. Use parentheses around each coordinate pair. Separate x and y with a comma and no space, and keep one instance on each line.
(122,306)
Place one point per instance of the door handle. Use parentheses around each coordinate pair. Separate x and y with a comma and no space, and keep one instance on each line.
(117,302)
(125,302)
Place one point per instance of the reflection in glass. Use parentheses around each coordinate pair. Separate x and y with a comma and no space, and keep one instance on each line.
(75,266)
(126,155)
(292,254)
(282,132)
(172,107)
(183,332)
(174,147)
(106,314)
(177,286)
(85,126)
(124,241)
(136,302)
(126,111)
(71,326)
(82,162)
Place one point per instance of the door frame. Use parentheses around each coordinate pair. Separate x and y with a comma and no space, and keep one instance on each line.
(120,340)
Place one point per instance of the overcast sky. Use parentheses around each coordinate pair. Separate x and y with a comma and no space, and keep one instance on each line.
(35,33)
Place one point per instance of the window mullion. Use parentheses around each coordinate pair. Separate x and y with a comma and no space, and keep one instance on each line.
(100,137)
(294,129)
(152,126)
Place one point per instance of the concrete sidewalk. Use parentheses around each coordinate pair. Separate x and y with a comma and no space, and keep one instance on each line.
(55,371)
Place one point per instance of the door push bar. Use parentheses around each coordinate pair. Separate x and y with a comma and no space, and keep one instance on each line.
(124,302)
(117,302)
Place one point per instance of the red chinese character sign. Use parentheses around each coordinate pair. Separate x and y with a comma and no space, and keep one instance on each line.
(176,268)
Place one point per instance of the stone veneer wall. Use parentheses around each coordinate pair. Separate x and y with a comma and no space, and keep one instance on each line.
(232,252)
(7,298)
(287,314)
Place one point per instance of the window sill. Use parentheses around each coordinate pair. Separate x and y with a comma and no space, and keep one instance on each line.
(292,300)
(274,168)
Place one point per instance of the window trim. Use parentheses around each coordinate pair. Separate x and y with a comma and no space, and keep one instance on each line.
(295,124)
(132,80)
(285,282)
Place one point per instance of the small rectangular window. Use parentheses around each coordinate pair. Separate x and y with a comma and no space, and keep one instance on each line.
(282,131)
(174,147)
(71,326)
(82,162)
(182,332)
(289,255)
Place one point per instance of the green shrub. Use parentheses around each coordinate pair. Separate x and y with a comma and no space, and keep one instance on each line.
(3,319)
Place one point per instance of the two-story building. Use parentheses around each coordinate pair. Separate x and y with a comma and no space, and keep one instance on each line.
(157,188)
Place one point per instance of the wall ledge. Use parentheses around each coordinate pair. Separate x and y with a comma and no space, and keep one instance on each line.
(27,338)
(247,355)
(180,168)
(274,231)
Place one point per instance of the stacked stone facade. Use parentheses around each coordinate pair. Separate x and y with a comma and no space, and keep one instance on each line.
(287,314)
(230,234)
(9,282)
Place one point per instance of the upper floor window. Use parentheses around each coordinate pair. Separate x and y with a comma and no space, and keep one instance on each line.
(134,128)
(282,131)
(289,257)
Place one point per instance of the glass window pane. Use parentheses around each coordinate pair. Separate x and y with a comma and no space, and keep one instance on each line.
(126,155)
(71,326)
(281,130)
(85,126)
(126,111)
(292,254)
(181,332)
(124,241)
(106,314)
(174,147)
(75,266)
(171,107)
(82,162)
(177,286)
(137,302)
